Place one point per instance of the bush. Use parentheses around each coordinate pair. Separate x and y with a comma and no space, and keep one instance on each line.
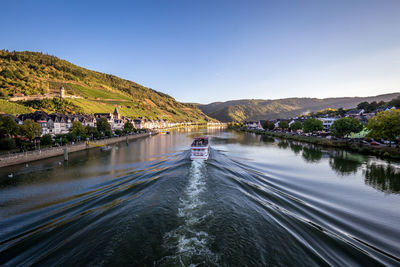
(7,144)
(108,133)
(118,132)
(46,140)
(71,136)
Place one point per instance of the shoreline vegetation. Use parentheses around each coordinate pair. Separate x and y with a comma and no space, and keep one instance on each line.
(378,151)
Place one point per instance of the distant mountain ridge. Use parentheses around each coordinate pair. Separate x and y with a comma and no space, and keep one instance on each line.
(40,76)
(258,109)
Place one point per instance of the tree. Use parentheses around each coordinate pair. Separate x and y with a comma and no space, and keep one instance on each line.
(103,126)
(118,132)
(383,104)
(312,125)
(363,105)
(368,107)
(283,124)
(385,125)
(297,125)
(78,129)
(108,133)
(372,106)
(8,126)
(46,140)
(31,129)
(7,143)
(345,126)
(341,112)
(92,132)
(71,136)
(268,125)
(128,127)
(395,102)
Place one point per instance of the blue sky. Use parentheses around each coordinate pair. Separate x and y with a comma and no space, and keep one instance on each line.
(205,51)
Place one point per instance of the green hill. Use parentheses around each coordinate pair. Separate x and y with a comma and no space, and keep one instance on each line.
(257,109)
(37,74)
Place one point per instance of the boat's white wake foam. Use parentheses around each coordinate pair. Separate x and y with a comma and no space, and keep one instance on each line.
(188,243)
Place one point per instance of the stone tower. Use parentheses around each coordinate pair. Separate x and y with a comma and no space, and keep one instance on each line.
(62,92)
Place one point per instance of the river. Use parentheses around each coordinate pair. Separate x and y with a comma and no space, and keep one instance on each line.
(257,201)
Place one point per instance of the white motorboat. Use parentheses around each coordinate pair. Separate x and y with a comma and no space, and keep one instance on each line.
(200,148)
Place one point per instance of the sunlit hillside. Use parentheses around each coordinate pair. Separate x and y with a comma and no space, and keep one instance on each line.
(37,75)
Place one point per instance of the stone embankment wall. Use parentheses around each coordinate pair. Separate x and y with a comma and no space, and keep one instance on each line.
(18,158)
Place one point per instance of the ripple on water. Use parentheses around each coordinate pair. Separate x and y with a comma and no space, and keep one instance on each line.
(188,244)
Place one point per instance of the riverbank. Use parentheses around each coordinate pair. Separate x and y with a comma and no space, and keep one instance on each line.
(25,157)
(379,151)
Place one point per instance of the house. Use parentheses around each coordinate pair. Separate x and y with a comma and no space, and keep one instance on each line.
(40,117)
(16,119)
(253,125)
(354,113)
(276,123)
(109,116)
(327,122)
(138,123)
(88,121)
(291,122)
(118,124)
(59,123)
(164,123)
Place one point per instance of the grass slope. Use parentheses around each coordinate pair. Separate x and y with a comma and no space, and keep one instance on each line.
(13,108)
(33,73)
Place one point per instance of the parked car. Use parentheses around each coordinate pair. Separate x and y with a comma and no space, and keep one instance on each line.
(374,143)
(389,142)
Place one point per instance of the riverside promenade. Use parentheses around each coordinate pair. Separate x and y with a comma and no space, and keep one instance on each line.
(24,157)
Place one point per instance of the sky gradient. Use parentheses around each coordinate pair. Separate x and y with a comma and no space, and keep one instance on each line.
(207,51)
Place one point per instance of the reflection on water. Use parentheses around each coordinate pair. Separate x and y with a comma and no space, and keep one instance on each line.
(311,154)
(258,201)
(283,144)
(346,163)
(295,147)
(267,139)
(385,178)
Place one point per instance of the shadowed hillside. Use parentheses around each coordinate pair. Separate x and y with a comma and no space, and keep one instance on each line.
(37,74)
(257,109)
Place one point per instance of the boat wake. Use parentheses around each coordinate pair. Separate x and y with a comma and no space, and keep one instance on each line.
(189,243)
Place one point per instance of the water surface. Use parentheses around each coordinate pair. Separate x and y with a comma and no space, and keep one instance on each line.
(256,201)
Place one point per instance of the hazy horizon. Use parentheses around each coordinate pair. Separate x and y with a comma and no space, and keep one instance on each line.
(208,51)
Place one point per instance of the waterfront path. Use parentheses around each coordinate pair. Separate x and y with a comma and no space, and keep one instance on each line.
(24,157)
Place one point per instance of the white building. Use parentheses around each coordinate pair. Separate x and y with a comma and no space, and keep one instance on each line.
(253,125)
(327,122)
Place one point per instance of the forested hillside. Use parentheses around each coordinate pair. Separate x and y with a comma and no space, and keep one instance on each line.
(32,73)
(257,109)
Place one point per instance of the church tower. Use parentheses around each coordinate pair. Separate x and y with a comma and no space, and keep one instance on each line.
(116,114)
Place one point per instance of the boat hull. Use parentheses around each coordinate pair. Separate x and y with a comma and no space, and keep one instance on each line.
(199,153)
